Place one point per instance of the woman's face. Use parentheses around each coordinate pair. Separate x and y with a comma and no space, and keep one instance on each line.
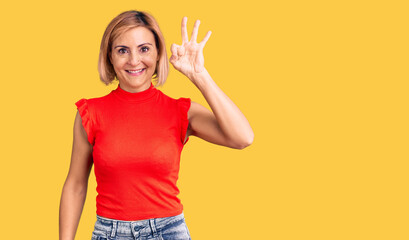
(134,56)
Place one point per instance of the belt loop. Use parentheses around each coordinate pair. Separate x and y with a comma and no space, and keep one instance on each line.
(153,227)
(114,226)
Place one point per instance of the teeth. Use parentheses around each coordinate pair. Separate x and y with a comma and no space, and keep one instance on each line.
(134,71)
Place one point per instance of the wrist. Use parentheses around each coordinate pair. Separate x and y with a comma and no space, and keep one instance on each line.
(202,80)
(200,77)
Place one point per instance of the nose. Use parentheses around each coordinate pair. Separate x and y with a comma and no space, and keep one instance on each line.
(134,59)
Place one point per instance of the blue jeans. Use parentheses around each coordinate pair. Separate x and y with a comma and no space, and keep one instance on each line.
(167,228)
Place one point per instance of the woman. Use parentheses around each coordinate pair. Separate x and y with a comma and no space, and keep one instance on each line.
(135,134)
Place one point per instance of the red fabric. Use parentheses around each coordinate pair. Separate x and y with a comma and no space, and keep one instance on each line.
(137,140)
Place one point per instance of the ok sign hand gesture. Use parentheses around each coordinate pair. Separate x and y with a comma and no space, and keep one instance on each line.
(188,57)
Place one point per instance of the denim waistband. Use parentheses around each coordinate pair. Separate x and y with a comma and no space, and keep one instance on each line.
(146,227)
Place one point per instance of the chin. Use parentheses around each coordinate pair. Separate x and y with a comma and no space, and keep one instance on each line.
(135,84)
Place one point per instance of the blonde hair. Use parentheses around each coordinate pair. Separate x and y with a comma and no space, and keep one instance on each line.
(120,24)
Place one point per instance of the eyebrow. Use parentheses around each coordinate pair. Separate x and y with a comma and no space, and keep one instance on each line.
(128,47)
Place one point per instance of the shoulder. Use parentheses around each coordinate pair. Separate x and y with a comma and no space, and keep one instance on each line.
(180,102)
(92,106)
(165,96)
(100,101)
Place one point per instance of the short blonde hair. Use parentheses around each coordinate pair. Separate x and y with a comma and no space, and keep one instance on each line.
(120,24)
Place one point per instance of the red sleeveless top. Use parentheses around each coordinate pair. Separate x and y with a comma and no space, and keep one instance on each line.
(137,141)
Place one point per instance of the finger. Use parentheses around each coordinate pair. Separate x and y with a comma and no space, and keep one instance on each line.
(172,59)
(174,50)
(184,30)
(181,51)
(204,41)
(195,30)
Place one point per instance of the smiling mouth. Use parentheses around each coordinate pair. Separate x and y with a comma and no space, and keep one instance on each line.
(135,71)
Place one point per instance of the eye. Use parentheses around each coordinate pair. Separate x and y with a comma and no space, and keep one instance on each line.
(144,49)
(121,51)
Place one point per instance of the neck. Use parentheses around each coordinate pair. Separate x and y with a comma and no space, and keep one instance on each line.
(138,96)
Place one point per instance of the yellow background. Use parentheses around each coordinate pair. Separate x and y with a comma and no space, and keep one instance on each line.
(324,84)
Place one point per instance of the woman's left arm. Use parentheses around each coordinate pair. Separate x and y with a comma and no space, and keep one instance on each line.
(226,125)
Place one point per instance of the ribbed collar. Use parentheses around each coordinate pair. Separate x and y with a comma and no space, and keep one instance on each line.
(135,97)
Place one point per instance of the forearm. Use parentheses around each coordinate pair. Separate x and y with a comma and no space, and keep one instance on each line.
(71,206)
(231,120)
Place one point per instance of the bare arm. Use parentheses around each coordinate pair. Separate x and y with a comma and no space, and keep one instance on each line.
(75,188)
(226,125)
